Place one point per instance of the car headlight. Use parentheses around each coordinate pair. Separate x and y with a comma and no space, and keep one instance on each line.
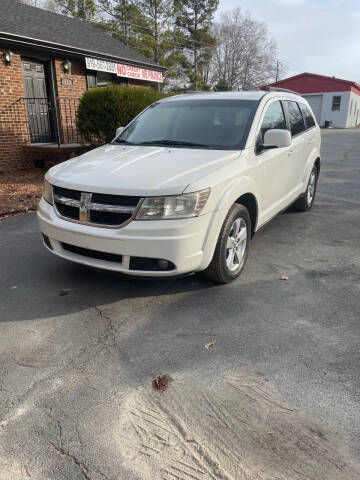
(47,192)
(177,206)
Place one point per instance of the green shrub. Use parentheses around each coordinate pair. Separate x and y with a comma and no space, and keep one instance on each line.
(102,110)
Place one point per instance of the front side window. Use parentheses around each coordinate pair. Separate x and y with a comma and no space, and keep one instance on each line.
(297,124)
(308,116)
(274,118)
(336,102)
(215,124)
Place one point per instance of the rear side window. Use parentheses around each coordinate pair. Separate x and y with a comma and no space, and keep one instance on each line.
(297,124)
(308,116)
(274,118)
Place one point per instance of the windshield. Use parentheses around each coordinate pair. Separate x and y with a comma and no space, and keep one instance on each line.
(214,124)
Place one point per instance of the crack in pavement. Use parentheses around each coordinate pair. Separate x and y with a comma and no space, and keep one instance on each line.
(74,459)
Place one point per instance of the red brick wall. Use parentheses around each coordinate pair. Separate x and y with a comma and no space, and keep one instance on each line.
(13,120)
(70,87)
(77,74)
(14,132)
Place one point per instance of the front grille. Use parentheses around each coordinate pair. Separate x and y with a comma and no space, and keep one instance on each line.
(67,211)
(108,199)
(66,192)
(108,218)
(99,209)
(86,252)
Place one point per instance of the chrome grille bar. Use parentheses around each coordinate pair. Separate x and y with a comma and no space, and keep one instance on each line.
(94,206)
(77,206)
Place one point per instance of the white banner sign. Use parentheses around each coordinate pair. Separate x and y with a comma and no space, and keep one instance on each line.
(122,70)
(100,65)
(129,71)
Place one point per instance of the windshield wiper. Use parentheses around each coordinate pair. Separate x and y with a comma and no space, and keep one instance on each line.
(181,143)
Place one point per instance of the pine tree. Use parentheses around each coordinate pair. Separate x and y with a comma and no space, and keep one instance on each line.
(157,15)
(158,38)
(82,9)
(123,17)
(194,19)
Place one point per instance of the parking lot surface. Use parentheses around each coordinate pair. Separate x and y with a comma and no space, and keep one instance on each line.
(275,397)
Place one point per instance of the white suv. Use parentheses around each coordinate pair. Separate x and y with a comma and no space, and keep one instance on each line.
(184,187)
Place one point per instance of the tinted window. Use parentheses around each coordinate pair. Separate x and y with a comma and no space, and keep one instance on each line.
(217,124)
(309,119)
(297,124)
(274,118)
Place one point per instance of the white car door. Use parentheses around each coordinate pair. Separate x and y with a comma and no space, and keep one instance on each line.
(278,163)
(301,147)
(311,131)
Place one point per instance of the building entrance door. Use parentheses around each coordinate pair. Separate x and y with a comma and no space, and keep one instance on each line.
(37,101)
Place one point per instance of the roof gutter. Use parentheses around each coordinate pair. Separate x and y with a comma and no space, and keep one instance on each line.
(18,40)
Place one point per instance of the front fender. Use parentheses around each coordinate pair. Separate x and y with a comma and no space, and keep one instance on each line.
(231,193)
(234,190)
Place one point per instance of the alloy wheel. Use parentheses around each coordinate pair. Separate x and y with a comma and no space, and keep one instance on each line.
(236,244)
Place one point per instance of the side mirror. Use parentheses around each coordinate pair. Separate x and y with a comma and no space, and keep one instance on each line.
(276,138)
(118,131)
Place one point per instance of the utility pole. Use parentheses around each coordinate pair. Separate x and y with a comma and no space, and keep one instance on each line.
(277,70)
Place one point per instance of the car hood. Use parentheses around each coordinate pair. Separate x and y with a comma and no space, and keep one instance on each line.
(138,170)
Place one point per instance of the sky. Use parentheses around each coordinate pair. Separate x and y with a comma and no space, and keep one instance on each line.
(317,36)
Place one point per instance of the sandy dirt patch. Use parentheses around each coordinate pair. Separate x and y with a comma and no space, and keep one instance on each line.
(238,428)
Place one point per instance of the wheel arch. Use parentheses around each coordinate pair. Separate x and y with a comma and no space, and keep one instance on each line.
(250,202)
(240,191)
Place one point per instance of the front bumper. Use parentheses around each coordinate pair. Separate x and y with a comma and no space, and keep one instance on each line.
(187,243)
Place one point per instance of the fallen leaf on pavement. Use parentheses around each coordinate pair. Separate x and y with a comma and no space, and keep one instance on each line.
(284,277)
(13,287)
(210,344)
(161,382)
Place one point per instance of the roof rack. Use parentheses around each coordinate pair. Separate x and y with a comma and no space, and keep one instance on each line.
(278,89)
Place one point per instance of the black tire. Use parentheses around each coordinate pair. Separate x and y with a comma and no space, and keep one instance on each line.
(219,270)
(304,202)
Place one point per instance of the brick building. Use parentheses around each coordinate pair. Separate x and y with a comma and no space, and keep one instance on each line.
(47,61)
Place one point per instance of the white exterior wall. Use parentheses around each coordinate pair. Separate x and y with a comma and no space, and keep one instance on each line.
(353,117)
(341,118)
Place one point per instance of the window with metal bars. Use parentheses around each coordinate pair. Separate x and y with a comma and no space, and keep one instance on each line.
(336,102)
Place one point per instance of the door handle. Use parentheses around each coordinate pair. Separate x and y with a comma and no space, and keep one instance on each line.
(290,153)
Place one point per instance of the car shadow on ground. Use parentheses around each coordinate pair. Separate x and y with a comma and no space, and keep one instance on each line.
(57,287)
(37,284)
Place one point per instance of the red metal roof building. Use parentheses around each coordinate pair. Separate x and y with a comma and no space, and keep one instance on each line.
(335,102)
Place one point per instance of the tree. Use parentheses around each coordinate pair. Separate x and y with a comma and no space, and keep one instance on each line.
(84,10)
(245,54)
(157,15)
(193,20)
(147,26)
(122,19)
(160,41)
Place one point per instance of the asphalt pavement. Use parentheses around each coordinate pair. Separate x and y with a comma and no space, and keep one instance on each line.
(79,349)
